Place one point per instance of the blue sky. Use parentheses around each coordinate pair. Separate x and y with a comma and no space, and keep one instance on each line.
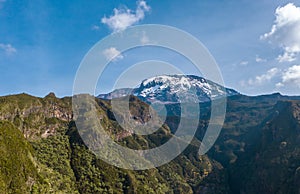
(255,43)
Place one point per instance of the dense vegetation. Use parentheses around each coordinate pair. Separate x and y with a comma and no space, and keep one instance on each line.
(17,169)
(257,151)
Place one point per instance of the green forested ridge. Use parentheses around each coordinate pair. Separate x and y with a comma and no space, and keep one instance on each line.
(17,166)
(60,162)
(257,151)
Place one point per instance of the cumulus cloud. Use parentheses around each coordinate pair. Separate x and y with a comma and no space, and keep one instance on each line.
(290,76)
(285,32)
(287,57)
(122,19)
(270,74)
(112,54)
(8,48)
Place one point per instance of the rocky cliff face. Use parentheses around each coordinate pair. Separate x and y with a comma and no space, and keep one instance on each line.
(35,116)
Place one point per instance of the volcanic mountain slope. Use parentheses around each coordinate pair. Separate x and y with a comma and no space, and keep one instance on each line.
(57,160)
(17,170)
(174,89)
(273,165)
(256,152)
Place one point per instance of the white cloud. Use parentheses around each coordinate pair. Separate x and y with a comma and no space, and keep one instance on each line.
(279,85)
(244,63)
(290,76)
(258,80)
(95,27)
(258,59)
(285,32)
(112,54)
(122,19)
(287,57)
(144,38)
(8,48)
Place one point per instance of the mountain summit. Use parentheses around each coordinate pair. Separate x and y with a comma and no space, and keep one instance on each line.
(174,89)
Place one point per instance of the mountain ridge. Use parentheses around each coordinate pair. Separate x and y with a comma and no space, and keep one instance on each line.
(173,89)
(250,147)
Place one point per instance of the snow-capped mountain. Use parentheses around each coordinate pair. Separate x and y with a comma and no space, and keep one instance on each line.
(116,93)
(174,89)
